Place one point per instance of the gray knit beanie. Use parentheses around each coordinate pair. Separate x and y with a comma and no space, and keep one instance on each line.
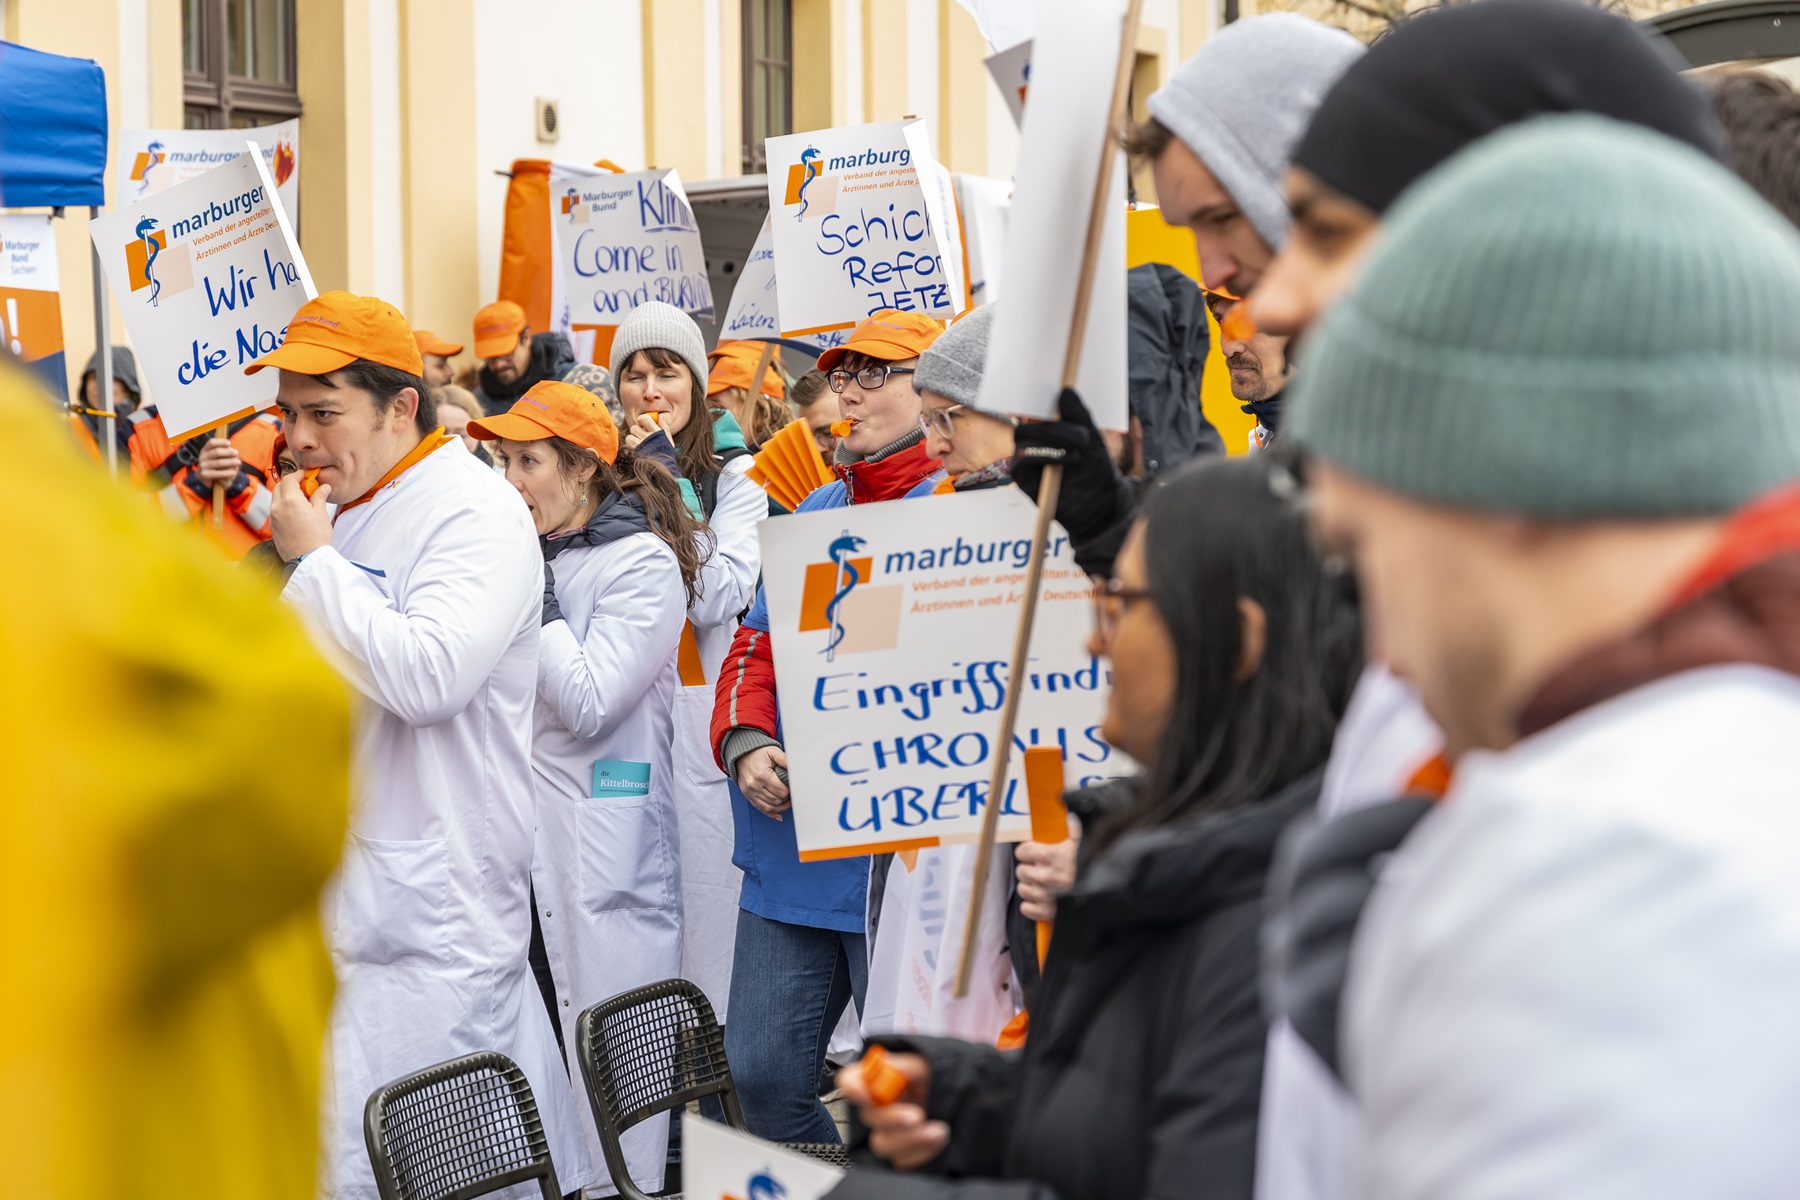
(952,365)
(652,324)
(1245,98)
(1573,319)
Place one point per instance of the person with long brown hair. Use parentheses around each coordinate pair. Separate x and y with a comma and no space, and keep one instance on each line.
(659,364)
(622,560)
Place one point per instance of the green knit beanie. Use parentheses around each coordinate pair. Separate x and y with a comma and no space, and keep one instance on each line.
(1573,319)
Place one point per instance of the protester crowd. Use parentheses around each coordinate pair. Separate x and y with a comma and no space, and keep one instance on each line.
(1462,860)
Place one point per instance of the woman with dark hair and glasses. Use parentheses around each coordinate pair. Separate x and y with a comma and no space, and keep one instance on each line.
(801,954)
(1233,649)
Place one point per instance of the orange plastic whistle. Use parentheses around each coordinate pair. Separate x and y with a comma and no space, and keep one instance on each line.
(842,428)
(886,1082)
(1237,325)
(309,482)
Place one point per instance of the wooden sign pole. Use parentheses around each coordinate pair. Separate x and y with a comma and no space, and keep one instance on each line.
(1049,488)
(762,368)
(218,504)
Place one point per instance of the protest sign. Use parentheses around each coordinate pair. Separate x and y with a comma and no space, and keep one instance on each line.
(1047,228)
(206,274)
(722,1163)
(622,240)
(30,301)
(1011,71)
(897,618)
(754,312)
(981,206)
(863,219)
(153,160)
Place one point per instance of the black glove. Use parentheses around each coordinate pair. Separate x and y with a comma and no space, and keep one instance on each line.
(1096,502)
(552,610)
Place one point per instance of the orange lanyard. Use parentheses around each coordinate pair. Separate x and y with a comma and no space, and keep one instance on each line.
(413,457)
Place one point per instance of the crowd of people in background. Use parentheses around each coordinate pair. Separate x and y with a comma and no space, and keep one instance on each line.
(1463,859)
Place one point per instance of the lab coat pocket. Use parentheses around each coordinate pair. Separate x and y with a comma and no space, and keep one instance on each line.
(625,859)
(393,902)
(693,729)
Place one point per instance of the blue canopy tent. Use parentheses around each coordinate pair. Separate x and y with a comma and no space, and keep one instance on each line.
(53,155)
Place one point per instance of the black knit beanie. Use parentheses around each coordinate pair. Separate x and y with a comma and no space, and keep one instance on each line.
(1453,75)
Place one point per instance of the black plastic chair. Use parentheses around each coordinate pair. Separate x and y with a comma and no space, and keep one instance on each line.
(467,1127)
(653,1050)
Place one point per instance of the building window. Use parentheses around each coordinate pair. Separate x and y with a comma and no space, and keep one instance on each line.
(768,77)
(238,56)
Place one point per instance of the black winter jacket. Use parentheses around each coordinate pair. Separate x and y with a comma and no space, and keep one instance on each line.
(1142,1072)
(551,358)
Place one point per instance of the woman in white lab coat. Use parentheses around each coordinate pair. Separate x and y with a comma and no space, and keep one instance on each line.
(659,363)
(621,559)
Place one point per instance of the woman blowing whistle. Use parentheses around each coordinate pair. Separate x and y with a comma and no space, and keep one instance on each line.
(1233,651)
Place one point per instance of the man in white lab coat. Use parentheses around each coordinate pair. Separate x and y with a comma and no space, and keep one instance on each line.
(418,571)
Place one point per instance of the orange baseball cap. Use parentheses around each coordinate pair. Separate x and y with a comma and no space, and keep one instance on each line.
(552,409)
(890,334)
(497,329)
(335,329)
(431,343)
(733,363)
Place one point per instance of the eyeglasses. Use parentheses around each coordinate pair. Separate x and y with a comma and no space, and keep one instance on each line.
(1111,599)
(941,421)
(869,378)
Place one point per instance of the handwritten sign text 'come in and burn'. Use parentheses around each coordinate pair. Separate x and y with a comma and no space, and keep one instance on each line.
(624,240)
(864,218)
(891,625)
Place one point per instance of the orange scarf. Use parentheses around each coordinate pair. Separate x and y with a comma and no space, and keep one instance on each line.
(413,458)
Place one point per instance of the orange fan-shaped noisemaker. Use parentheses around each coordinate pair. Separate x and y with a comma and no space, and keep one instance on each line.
(789,466)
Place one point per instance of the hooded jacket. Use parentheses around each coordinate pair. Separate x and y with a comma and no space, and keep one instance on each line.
(1141,1074)
(1576,977)
(1168,339)
(551,358)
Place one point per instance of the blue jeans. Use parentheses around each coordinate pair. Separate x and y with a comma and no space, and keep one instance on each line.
(789,985)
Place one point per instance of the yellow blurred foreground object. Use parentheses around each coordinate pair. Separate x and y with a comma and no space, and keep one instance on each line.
(173,785)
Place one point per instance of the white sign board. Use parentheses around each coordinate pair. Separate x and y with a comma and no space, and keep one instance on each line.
(623,240)
(892,626)
(1059,158)
(982,205)
(1011,70)
(722,1163)
(207,275)
(754,314)
(30,306)
(863,219)
(149,161)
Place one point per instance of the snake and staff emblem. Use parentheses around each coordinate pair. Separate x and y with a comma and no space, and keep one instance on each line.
(764,1186)
(153,156)
(846,579)
(146,231)
(809,171)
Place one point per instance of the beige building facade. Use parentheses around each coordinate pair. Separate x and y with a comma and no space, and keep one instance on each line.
(410,110)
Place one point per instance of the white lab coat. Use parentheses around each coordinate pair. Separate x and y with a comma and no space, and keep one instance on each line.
(608,869)
(918,947)
(428,601)
(1577,976)
(709,881)
(1309,1140)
